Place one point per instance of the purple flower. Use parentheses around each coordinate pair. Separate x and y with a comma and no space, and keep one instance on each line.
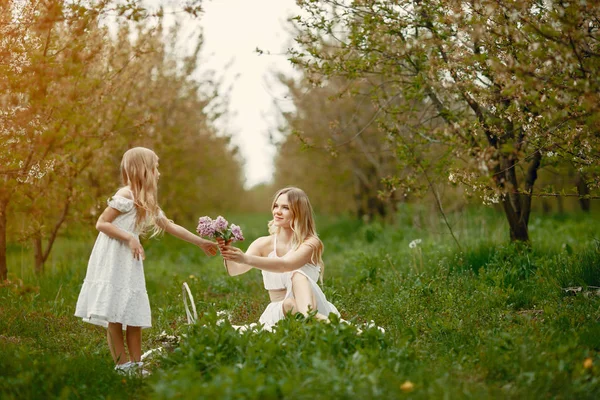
(236,231)
(205,227)
(220,224)
(219,228)
(204,220)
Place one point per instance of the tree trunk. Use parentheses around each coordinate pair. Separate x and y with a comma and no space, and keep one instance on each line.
(3,226)
(517,206)
(584,191)
(38,253)
(518,226)
(38,244)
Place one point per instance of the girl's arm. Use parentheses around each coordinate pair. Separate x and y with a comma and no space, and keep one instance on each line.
(209,248)
(291,261)
(235,268)
(105,225)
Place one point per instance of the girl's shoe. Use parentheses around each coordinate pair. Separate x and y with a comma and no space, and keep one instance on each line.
(132,368)
(124,368)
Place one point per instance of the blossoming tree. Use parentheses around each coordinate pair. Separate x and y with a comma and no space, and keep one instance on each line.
(509,82)
(74,97)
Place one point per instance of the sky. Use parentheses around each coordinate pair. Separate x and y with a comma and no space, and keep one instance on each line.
(233,30)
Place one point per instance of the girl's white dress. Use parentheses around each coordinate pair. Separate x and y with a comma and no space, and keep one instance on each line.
(276,281)
(114,289)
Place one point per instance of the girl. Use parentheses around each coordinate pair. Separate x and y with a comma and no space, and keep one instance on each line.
(290,259)
(114,294)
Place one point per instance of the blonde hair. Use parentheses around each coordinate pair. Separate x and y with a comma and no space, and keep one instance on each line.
(137,171)
(303,223)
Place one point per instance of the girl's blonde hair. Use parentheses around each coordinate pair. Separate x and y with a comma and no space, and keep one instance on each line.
(303,222)
(138,171)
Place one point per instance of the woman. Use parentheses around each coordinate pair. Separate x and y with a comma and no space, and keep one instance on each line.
(290,259)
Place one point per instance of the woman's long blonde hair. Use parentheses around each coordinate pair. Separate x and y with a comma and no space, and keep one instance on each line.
(303,222)
(138,172)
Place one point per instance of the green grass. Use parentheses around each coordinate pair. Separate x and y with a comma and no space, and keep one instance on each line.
(490,321)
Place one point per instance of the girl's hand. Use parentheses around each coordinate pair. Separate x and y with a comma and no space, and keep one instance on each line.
(209,248)
(136,248)
(231,253)
(222,243)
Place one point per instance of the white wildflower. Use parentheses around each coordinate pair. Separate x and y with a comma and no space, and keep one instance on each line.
(223,316)
(414,243)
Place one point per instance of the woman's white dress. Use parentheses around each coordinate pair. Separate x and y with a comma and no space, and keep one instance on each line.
(114,288)
(277,281)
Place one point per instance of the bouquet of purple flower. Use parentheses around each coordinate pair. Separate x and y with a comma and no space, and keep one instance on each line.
(219,228)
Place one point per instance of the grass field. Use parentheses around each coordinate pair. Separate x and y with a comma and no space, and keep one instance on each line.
(492,320)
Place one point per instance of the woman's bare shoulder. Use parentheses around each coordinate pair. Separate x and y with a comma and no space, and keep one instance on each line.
(263,245)
(313,241)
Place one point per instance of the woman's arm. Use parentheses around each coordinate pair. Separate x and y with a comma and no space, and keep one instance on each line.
(209,248)
(235,268)
(293,260)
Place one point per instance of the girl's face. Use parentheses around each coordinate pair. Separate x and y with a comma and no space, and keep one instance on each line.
(282,215)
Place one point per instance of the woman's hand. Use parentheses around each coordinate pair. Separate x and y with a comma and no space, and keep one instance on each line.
(222,243)
(136,248)
(231,253)
(209,248)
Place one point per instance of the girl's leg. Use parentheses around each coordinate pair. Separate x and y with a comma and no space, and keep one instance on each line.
(114,336)
(134,342)
(304,296)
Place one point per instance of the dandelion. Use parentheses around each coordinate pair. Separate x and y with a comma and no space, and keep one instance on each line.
(417,254)
(588,363)
(414,243)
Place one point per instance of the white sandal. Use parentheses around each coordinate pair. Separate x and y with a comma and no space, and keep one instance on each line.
(132,368)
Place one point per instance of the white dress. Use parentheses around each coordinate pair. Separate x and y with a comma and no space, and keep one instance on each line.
(114,289)
(277,281)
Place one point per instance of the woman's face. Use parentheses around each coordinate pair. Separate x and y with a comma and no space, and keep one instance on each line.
(282,215)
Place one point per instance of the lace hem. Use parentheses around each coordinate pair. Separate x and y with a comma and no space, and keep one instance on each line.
(101,303)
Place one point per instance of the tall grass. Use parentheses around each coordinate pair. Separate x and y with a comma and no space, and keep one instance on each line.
(492,320)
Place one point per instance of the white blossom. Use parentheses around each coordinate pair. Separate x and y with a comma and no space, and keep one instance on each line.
(414,243)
